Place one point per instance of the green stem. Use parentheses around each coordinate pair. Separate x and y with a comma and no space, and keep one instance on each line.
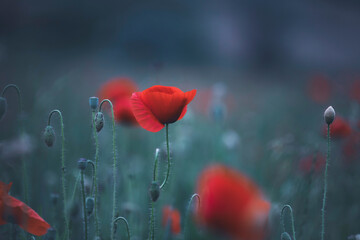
(93,176)
(97,231)
(152,223)
(168,157)
(25,183)
(84,206)
(114,163)
(325,184)
(75,187)
(62,168)
(188,211)
(126,223)
(292,220)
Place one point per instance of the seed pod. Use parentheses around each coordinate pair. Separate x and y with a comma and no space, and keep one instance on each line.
(3,107)
(99,121)
(329,115)
(82,162)
(154,191)
(49,136)
(93,102)
(51,234)
(90,203)
(285,236)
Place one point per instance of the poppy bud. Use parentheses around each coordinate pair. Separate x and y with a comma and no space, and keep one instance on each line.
(51,234)
(82,162)
(54,198)
(49,136)
(90,203)
(3,107)
(154,191)
(93,102)
(285,236)
(99,121)
(329,115)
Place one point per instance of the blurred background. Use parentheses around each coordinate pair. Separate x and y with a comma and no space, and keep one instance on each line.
(265,72)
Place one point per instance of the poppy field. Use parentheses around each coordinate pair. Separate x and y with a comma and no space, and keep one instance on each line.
(229,120)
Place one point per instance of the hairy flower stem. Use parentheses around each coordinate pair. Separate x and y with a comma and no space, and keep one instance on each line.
(95,176)
(168,157)
(126,224)
(84,206)
(152,223)
(62,168)
(23,163)
(291,217)
(188,211)
(325,184)
(114,163)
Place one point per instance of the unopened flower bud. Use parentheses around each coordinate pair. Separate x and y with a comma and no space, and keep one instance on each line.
(285,236)
(82,162)
(3,107)
(99,121)
(329,115)
(54,198)
(49,136)
(154,191)
(90,203)
(93,102)
(51,234)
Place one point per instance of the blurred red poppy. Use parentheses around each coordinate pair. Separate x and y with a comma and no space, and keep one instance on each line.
(14,211)
(231,203)
(351,148)
(340,128)
(160,105)
(118,91)
(314,163)
(355,90)
(171,216)
(319,89)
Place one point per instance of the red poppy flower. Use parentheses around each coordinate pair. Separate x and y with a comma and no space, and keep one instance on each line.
(160,105)
(355,90)
(339,128)
(319,89)
(119,91)
(309,163)
(350,148)
(231,203)
(14,211)
(171,216)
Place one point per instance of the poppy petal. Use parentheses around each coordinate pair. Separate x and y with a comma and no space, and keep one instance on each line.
(4,188)
(189,97)
(143,114)
(24,216)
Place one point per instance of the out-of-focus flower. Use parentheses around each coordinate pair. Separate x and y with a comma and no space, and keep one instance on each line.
(230,139)
(339,128)
(355,90)
(118,91)
(319,89)
(312,162)
(14,211)
(22,145)
(160,105)
(351,148)
(231,203)
(171,216)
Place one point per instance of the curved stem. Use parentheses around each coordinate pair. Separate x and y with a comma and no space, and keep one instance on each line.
(168,157)
(18,93)
(84,206)
(188,211)
(292,219)
(97,231)
(114,162)
(325,184)
(126,223)
(25,181)
(93,176)
(62,167)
